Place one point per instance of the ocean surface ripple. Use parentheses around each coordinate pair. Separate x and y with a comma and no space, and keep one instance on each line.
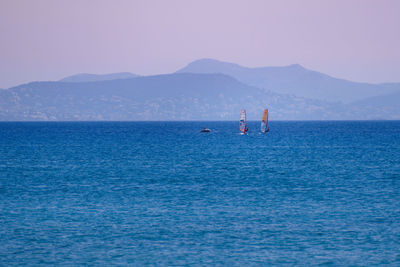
(162,193)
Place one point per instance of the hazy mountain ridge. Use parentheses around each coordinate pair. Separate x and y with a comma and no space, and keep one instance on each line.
(378,107)
(161,97)
(185,96)
(294,79)
(87,77)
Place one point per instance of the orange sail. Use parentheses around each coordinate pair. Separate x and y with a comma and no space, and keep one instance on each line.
(265,116)
(264,122)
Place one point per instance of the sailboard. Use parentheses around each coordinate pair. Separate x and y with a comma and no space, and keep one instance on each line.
(264,122)
(242,122)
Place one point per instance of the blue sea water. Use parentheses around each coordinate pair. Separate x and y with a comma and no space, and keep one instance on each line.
(162,193)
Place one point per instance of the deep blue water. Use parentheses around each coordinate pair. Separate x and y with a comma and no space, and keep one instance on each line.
(161,193)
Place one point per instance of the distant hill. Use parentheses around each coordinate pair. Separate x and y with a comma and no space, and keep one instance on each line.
(390,100)
(194,94)
(86,77)
(294,79)
(161,97)
(377,107)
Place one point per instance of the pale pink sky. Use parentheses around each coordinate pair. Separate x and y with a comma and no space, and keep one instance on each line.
(49,39)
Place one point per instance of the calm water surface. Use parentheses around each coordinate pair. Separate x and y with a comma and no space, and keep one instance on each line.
(161,193)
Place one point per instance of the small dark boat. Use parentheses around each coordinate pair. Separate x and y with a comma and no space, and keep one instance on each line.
(205,130)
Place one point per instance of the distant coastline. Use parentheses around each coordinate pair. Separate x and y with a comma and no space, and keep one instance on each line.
(203,90)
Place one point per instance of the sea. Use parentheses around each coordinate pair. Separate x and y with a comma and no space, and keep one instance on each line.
(307,193)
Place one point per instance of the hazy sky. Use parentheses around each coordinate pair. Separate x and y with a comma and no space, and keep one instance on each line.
(50,39)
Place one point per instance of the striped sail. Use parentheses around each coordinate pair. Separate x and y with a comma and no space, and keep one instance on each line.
(242,121)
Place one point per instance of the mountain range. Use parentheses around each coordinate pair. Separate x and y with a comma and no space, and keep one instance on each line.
(203,90)
(294,80)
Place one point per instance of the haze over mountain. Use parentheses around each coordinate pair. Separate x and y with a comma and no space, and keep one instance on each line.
(161,97)
(294,79)
(87,77)
(197,96)
(380,107)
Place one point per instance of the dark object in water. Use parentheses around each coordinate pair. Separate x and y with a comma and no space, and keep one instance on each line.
(205,130)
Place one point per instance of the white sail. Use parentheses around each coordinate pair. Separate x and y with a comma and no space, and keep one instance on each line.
(242,121)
